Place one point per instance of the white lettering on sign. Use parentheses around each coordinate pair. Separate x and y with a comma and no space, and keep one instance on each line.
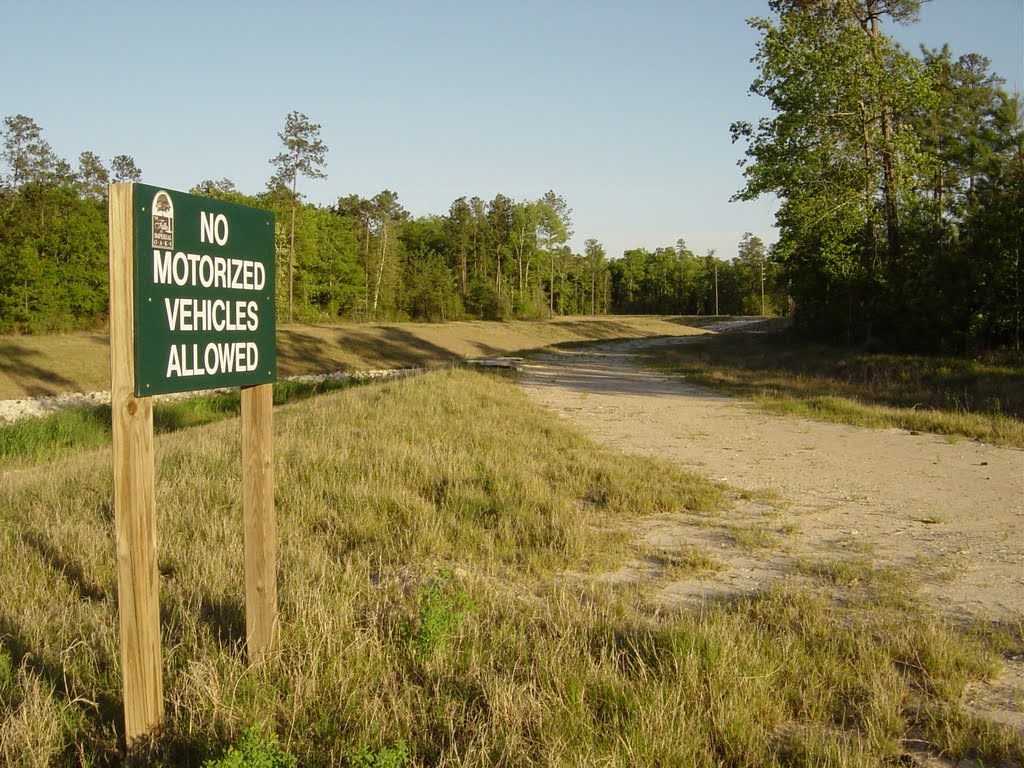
(211,315)
(213,228)
(230,357)
(193,269)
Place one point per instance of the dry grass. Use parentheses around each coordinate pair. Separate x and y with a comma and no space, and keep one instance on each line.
(425,528)
(32,366)
(981,399)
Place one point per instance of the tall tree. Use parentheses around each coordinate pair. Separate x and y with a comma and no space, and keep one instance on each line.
(458,226)
(555,231)
(304,154)
(595,256)
(93,177)
(125,170)
(752,253)
(837,152)
(27,155)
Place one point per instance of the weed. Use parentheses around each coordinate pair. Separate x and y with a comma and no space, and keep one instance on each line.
(33,440)
(441,609)
(395,756)
(882,586)
(767,496)
(254,750)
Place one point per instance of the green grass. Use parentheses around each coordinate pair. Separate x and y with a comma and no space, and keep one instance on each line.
(32,440)
(980,399)
(426,532)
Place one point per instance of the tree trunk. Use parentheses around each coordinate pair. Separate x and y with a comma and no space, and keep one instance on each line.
(464,275)
(1016,296)
(593,290)
(892,228)
(762,287)
(380,268)
(551,289)
(291,252)
(869,192)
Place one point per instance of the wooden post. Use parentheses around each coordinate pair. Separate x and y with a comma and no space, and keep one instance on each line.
(134,509)
(258,521)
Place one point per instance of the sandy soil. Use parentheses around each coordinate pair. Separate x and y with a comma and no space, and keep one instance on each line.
(951,510)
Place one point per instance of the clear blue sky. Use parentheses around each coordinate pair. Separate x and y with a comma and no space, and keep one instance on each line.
(621,107)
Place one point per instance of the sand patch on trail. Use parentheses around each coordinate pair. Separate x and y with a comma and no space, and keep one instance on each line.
(817,493)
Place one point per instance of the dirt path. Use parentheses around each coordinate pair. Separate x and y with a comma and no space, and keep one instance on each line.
(953,510)
(819,493)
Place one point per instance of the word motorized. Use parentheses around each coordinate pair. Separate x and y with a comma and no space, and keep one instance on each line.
(207,271)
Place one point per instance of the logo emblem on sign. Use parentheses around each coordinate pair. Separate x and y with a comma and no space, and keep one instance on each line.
(163,220)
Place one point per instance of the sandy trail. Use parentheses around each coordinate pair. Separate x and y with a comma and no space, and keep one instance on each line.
(953,510)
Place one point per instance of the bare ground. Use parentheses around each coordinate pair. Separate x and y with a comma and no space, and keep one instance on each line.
(951,511)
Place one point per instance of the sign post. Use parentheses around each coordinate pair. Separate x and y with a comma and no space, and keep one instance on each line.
(191,308)
(259,523)
(134,512)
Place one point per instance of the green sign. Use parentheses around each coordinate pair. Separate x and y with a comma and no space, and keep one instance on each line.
(204,293)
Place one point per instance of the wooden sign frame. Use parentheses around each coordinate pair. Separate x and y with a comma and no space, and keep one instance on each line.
(138,587)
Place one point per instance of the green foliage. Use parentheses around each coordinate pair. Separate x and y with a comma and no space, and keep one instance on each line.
(361,259)
(395,756)
(899,181)
(441,608)
(34,439)
(7,677)
(674,280)
(254,750)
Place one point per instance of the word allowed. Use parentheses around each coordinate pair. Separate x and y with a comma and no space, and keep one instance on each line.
(229,357)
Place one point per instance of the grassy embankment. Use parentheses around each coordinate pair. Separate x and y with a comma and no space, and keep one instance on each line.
(439,543)
(957,397)
(47,365)
(32,366)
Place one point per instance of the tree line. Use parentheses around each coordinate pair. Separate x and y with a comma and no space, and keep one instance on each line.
(900,179)
(362,259)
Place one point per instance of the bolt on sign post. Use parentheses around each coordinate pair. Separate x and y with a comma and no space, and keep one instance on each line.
(191,308)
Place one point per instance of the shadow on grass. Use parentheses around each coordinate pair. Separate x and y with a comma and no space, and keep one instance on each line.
(101,710)
(225,619)
(380,346)
(37,381)
(70,570)
(745,364)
